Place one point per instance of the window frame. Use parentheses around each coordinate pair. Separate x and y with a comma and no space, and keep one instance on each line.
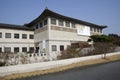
(7,35)
(61,22)
(16,35)
(24,49)
(54,47)
(16,49)
(31,37)
(67,24)
(0,34)
(53,21)
(24,36)
(45,22)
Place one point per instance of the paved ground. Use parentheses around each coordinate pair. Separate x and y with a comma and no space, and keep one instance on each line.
(109,71)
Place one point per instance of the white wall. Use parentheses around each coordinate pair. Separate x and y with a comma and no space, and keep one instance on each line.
(7,70)
(12,39)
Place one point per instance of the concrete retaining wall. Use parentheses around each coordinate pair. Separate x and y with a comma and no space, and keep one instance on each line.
(46,65)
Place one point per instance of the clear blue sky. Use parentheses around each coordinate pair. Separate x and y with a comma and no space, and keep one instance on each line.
(101,12)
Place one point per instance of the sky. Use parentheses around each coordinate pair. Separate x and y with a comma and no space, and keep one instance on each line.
(101,12)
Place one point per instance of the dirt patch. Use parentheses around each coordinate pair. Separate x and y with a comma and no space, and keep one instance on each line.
(63,68)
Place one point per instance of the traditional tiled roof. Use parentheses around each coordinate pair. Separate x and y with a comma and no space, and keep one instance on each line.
(49,13)
(11,26)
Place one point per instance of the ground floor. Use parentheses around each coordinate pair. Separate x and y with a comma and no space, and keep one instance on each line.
(16,47)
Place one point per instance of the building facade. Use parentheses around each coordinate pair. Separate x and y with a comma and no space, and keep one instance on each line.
(52,32)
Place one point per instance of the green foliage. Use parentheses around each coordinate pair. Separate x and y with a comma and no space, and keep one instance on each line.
(101,38)
(115,38)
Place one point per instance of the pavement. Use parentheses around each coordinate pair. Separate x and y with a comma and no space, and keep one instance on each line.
(108,71)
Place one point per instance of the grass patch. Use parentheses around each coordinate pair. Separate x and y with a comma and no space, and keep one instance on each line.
(63,68)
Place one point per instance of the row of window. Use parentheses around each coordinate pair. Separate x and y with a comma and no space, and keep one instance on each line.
(17,49)
(96,30)
(54,47)
(41,24)
(61,23)
(17,36)
(54,22)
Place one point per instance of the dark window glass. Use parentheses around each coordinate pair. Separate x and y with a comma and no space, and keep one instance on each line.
(41,25)
(0,35)
(8,49)
(24,49)
(61,47)
(31,49)
(16,49)
(45,22)
(16,36)
(36,26)
(0,49)
(73,25)
(60,22)
(24,36)
(53,21)
(7,35)
(54,48)
(31,36)
(67,24)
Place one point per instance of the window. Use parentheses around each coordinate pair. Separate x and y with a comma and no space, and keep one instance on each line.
(90,28)
(7,35)
(31,49)
(8,49)
(24,49)
(36,26)
(0,35)
(45,22)
(97,29)
(60,22)
(0,50)
(24,36)
(31,36)
(53,21)
(94,29)
(16,49)
(73,25)
(100,30)
(67,24)
(41,24)
(61,47)
(54,48)
(16,36)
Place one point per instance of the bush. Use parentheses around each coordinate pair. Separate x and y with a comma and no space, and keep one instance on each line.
(70,52)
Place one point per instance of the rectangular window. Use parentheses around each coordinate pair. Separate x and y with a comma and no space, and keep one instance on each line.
(41,25)
(60,22)
(24,49)
(73,25)
(24,36)
(54,48)
(45,22)
(31,36)
(0,35)
(0,50)
(31,49)
(97,29)
(36,26)
(7,49)
(67,24)
(16,49)
(53,21)
(7,35)
(100,30)
(61,47)
(16,36)
(90,28)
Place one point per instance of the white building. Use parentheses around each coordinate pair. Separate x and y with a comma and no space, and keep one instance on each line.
(52,33)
